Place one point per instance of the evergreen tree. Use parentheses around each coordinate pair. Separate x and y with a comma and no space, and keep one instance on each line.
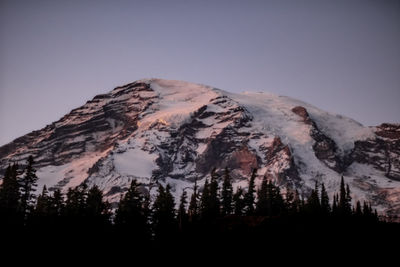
(164,221)
(40,217)
(193,205)
(56,203)
(348,199)
(131,214)
(276,200)
(75,204)
(335,205)
(313,201)
(263,205)
(214,204)
(238,202)
(43,203)
(249,196)
(295,206)
(358,210)
(205,201)
(227,194)
(10,198)
(367,210)
(344,206)
(325,206)
(289,199)
(182,214)
(28,187)
(97,210)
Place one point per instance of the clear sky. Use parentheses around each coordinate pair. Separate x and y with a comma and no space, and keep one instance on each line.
(342,56)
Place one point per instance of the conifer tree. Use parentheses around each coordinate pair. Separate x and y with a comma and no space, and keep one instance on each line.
(226,194)
(263,205)
(97,210)
(289,198)
(164,221)
(205,201)
(40,217)
(348,199)
(313,202)
(344,205)
(325,206)
(130,216)
(249,196)
(295,206)
(238,202)
(358,210)
(193,205)
(276,199)
(182,214)
(10,197)
(335,205)
(56,204)
(367,210)
(214,204)
(28,186)
(75,204)
(43,203)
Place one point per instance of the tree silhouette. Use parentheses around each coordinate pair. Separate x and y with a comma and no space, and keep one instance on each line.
(28,184)
(10,198)
(130,216)
(249,197)
(164,221)
(226,194)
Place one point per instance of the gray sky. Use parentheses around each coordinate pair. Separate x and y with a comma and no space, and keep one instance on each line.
(342,56)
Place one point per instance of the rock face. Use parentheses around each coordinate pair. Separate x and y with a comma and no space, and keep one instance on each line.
(160,131)
(382,152)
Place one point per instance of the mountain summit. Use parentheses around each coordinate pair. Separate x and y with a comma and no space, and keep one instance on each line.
(164,131)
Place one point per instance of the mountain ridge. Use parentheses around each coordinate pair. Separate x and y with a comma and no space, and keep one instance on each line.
(175,132)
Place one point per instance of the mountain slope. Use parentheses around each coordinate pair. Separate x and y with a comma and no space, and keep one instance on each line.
(175,132)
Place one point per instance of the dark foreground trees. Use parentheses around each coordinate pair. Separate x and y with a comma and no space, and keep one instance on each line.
(215,214)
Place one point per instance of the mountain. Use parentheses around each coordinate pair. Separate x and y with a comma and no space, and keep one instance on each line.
(176,132)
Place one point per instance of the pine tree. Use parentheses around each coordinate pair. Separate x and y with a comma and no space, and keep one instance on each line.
(344,206)
(348,200)
(313,201)
(193,210)
(40,217)
(295,207)
(325,206)
(97,210)
(56,204)
(43,204)
(182,214)
(75,204)
(28,187)
(226,194)
(214,195)
(335,205)
(358,211)
(367,210)
(10,198)
(249,196)
(131,214)
(238,202)
(289,199)
(263,205)
(292,201)
(276,200)
(164,221)
(205,201)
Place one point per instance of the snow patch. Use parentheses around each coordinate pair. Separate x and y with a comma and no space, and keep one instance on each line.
(135,162)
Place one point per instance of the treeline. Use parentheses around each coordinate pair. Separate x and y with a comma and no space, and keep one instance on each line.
(216,210)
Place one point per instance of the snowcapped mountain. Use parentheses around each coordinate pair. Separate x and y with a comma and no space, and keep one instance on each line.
(176,132)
